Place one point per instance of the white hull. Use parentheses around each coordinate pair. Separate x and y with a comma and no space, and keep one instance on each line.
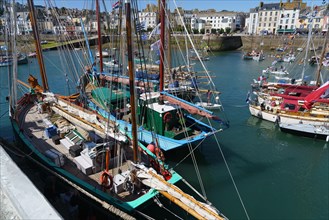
(288,119)
(263,114)
(208,106)
(302,120)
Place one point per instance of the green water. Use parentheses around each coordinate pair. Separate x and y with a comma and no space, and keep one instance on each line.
(278,175)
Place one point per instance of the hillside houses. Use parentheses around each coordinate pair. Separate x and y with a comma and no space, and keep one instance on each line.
(272,18)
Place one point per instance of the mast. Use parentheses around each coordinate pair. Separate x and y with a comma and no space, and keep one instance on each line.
(13,76)
(169,43)
(99,37)
(162,39)
(38,45)
(131,78)
(321,59)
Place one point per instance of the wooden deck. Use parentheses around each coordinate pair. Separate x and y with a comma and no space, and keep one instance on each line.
(34,124)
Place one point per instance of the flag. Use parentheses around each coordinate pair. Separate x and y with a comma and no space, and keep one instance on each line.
(144,37)
(140,26)
(116,5)
(156,45)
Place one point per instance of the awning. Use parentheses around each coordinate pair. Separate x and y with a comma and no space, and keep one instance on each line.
(285,30)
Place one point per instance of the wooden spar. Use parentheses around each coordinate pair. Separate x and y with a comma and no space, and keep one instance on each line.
(162,40)
(180,203)
(131,79)
(24,84)
(205,90)
(99,33)
(38,45)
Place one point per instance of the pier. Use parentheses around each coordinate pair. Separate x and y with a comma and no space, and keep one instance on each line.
(20,199)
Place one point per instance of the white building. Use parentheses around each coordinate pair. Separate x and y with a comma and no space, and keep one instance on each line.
(219,20)
(287,21)
(149,18)
(252,22)
(198,24)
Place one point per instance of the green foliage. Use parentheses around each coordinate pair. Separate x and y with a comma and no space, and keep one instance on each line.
(228,30)
(195,31)
(202,31)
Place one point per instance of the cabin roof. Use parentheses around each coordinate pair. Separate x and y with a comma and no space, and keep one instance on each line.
(149,95)
(162,108)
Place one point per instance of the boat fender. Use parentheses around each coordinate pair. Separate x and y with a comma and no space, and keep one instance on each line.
(166,174)
(151,147)
(167,117)
(106,180)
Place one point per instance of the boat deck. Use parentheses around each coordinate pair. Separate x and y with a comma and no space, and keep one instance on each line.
(34,124)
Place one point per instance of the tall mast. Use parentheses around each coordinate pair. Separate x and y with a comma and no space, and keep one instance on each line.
(99,32)
(38,45)
(12,33)
(162,40)
(169,42)
(321,59)
(131,78)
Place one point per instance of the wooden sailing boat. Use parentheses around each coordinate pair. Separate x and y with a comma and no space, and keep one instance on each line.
(162,112)
(89,152)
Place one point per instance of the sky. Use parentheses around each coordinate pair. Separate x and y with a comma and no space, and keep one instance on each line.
(231,5)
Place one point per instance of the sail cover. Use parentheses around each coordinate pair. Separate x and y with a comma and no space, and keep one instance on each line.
(317,94)
(192,109)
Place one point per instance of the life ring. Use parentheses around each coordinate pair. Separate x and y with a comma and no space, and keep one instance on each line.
(167,117)
(106,180)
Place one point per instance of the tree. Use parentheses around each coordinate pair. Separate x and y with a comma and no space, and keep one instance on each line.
(195,31)
(227,30)
(202,31)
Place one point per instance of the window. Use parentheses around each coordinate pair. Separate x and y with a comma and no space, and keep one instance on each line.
(275,18)
(276,13)
(292,27)
(269,24)
(265,19)
(261,13)
(287,21)
(264,25)
(260,19)
(270,19)
(259,25)
(265,13)
(293,15)
(293,21)
(270,13)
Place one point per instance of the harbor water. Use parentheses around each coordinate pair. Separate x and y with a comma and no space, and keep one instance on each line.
(276,175)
